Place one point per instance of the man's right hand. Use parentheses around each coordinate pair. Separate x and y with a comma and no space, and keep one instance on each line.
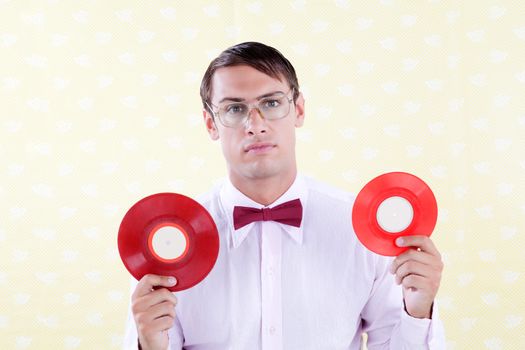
(154,310)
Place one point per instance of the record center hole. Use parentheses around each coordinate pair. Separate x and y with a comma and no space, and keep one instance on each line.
(168,242)
(394,214)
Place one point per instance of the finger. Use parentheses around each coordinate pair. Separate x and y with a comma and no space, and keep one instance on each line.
(412,254)
(163,323)
(144,319)
(413,268)
(422,242)
(430,285)
(146,284)
(156,311)
(157,325)
(414,282)
(156,297)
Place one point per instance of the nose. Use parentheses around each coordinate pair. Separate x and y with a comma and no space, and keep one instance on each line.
(255,124)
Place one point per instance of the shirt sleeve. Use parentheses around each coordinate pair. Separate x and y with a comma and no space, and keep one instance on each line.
(387,323)
(130,341)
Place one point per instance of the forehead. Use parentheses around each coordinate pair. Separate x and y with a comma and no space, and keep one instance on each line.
(244,82)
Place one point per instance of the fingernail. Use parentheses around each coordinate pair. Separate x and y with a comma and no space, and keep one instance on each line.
(172,281)
(400,241)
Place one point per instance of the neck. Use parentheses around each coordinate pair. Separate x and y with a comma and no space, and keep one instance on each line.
(267,190)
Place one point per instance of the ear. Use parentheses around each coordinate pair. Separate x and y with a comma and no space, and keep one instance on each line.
(299,111)
(210,125)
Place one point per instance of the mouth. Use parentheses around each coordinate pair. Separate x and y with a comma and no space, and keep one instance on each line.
(259,147)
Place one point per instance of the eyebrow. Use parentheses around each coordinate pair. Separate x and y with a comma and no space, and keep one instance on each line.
(238,99)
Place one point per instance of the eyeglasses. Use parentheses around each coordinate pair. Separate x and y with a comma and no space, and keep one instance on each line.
(235,114)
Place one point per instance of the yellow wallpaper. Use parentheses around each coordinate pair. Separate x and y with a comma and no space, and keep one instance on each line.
(100,107)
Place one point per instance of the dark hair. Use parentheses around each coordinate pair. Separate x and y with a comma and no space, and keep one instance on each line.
(264,58)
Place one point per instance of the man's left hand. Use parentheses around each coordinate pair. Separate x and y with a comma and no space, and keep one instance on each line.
(418,270)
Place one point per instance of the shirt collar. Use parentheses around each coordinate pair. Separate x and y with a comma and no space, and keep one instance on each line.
(231,197)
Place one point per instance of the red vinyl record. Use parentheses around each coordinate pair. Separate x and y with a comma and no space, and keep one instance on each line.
(171,235)
(393,205)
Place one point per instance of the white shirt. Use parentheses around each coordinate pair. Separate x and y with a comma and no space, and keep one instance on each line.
(276,286)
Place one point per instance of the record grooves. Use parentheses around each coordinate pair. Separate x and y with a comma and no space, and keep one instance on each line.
(169,234)
(393,205)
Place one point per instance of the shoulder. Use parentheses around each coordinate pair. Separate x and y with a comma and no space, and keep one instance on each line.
(207,199)
(210,200)
(329,211)
(320,190)
(328,206)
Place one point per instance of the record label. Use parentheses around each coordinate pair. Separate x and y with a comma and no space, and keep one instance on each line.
(169,234)
(168,242)
(393,205)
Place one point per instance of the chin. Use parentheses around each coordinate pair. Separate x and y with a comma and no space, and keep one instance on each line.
(263,170)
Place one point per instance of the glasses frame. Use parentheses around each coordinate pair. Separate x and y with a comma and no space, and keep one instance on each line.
(250,107)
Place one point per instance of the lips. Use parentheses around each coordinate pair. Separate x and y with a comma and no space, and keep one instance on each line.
(259,147)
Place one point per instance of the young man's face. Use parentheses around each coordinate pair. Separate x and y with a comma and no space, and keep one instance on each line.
(259,148)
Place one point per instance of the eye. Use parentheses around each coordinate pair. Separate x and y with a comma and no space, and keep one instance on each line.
(235,109)
(271,103)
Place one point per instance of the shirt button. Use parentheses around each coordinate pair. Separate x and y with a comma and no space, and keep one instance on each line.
(272,330)
(270,271)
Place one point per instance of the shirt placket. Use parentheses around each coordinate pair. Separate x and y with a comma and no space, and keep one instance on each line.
(271,305)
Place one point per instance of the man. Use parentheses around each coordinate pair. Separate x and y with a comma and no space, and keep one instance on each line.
(307,283)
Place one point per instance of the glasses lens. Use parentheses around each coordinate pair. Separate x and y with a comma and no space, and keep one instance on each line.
(275,107)
(235,113)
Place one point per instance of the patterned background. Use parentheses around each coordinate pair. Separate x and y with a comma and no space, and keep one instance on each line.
(100,107)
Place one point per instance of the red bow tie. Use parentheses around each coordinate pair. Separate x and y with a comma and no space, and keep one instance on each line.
(289,213)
